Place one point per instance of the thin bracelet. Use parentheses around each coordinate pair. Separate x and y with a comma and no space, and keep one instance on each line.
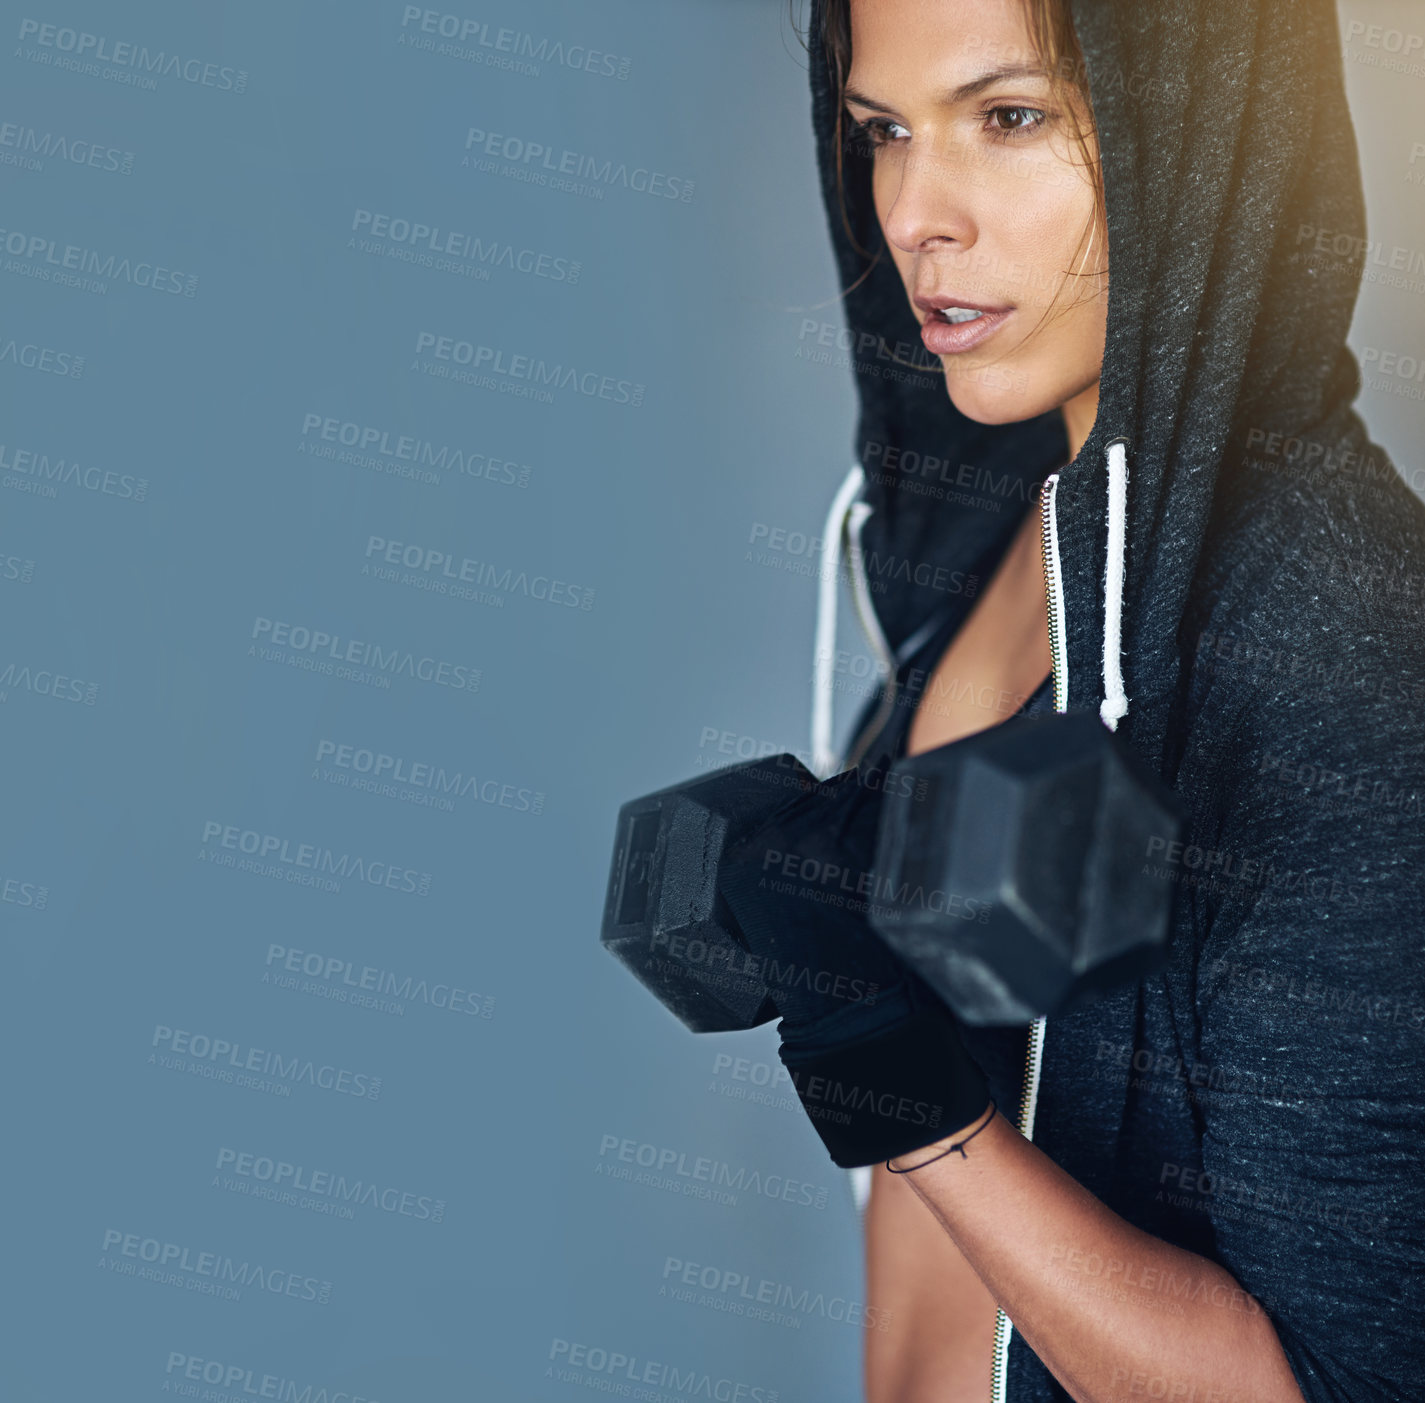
(958,1145)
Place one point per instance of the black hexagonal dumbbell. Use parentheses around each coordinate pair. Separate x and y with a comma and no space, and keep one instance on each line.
(664,915)
(1020,884)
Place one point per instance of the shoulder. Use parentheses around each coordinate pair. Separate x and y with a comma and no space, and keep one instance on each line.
(1303,742)
(1303,770)
(1305,622)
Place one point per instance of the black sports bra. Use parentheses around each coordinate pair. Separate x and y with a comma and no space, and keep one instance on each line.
(917,668)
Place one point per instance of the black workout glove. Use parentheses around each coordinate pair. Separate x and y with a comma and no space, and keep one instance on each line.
(874,1054)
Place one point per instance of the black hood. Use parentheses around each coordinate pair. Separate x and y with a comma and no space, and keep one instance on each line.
(1229,160)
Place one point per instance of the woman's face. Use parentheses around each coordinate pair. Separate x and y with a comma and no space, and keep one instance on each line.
(984,201)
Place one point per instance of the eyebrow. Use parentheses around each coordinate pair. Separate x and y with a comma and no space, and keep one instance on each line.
(960,94)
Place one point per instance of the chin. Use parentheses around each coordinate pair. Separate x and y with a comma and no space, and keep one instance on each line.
(1008,393)
(1000,397)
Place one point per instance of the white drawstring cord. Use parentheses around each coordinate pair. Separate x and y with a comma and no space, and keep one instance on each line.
(823,757)
(840,520)
(1115,702)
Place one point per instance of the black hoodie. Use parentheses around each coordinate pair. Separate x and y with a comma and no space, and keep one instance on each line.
(1261,1101)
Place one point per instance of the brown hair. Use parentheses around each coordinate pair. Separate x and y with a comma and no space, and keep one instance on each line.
(1055,45)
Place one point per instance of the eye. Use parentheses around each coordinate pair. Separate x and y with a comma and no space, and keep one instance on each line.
(1021,121)
(875,132)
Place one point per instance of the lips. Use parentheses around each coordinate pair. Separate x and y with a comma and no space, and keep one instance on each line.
(932,304)
(950,326)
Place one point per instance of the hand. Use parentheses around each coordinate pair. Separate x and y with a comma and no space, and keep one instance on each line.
(875,1056)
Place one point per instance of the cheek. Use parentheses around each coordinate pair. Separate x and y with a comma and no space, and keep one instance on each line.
(1047,233)
(1031,219)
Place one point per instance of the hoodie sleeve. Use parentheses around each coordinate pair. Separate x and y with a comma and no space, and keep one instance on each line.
(1311,1010)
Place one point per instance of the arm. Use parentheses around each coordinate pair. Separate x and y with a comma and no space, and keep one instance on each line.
(940,1320)
(1113,1312)
(1310,1023)
(1319,1122)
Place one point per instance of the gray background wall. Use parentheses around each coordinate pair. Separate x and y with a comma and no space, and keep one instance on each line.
(151,715)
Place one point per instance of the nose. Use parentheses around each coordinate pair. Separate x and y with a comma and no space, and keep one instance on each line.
(929,192)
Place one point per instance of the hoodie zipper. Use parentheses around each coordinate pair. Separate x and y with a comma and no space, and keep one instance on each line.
(1054,592)
(1059,673)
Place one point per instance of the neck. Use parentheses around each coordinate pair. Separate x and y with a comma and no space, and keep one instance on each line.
(1079,415)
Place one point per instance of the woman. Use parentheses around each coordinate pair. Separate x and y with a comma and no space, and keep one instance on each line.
(1207,1186)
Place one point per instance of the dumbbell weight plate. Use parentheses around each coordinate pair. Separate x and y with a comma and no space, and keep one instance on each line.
(664,916)
(1020,883)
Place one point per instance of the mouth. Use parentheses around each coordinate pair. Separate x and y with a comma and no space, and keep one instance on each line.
(956,316)
(952,327)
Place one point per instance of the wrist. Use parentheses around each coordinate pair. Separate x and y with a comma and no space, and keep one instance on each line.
(893,1091)
(941,1149)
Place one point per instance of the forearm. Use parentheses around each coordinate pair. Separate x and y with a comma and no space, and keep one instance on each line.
(1112,1311)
